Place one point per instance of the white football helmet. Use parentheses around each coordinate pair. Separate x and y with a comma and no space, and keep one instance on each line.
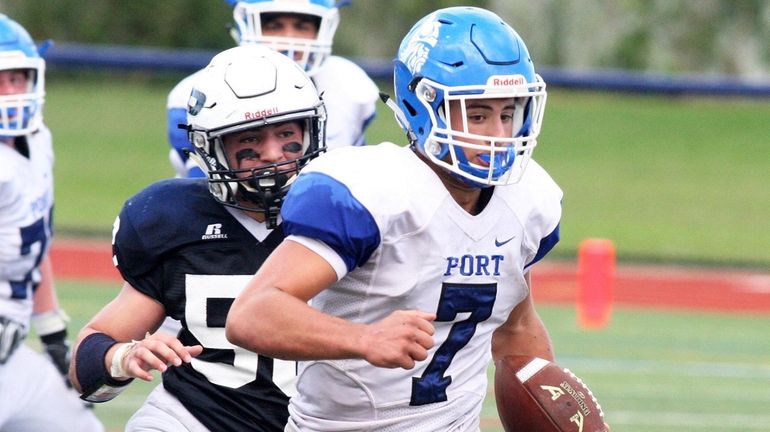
(249,16)
(243,88)
(21,114)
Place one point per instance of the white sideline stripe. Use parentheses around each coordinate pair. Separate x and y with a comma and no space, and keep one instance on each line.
(645,367)
(758,284)
(530,369)
(689,421)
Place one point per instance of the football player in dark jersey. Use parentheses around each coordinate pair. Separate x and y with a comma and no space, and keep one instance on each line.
(187,247)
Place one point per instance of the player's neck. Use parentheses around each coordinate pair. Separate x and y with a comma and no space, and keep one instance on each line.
(464,195)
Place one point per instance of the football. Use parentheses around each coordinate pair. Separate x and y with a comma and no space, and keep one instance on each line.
(536,395)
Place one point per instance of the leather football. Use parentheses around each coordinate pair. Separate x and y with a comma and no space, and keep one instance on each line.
(536,395)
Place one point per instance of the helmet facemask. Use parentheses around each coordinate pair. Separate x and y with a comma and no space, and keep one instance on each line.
(308,53)
(22,113)
(259,189)
(504,158)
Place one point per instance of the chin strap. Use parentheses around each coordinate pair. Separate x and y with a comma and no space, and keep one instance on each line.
(268,193)
(400,117)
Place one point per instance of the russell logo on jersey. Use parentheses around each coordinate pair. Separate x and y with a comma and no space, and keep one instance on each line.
(214,232)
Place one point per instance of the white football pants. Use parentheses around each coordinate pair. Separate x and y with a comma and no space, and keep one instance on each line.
(34,397)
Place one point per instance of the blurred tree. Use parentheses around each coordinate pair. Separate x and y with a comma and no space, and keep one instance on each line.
(176,23)
(374,28)
(720,36)
(711,36)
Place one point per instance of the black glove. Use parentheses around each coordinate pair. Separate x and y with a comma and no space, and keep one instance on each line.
(58,349)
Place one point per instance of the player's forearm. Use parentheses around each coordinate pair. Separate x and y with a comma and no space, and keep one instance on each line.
(45,299)
(528,337)
(274,323)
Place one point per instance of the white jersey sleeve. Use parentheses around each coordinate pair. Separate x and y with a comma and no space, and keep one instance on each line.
(26,203)
(350,97)
(408,245)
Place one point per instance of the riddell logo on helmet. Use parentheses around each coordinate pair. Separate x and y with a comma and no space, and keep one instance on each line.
(506,80)
(260,114)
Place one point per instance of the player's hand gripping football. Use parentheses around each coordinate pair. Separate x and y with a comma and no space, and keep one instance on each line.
(400,340)
(155,352)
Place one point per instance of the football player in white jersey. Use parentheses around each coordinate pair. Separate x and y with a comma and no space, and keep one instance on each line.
(33,393)
(255,118)
(415,260)
(303,30)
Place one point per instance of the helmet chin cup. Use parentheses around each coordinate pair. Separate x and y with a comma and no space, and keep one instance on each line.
(264,182)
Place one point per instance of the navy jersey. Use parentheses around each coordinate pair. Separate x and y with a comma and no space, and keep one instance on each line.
(176,244)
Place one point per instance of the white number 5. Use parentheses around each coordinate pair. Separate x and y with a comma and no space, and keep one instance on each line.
(201,288)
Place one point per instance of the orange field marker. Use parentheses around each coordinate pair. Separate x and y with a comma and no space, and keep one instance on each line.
(596,280)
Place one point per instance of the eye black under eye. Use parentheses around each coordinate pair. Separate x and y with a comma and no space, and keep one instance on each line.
(292,147)
(246,154)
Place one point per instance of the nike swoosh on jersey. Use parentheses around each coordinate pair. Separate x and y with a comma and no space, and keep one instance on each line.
(499,243)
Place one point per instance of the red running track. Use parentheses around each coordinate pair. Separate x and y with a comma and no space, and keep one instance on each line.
(717,290)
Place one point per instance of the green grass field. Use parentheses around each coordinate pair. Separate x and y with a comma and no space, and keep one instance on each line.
(670,179)
(653,371)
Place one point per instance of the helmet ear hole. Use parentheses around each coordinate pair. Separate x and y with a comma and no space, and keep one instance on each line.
(409,108)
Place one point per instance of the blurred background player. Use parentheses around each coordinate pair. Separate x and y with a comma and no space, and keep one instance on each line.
(424,274)
(33,393)
(204,230)
(302,30)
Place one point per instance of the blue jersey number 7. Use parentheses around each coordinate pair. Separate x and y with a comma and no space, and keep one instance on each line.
(476,299)
(30,235)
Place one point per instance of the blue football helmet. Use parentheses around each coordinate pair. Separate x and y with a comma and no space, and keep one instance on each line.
(21,114)
(249,15)
(463,54)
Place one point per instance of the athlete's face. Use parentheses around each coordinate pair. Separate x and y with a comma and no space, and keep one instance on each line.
(490,117)
(266,145)
(13,82)
(296,26)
